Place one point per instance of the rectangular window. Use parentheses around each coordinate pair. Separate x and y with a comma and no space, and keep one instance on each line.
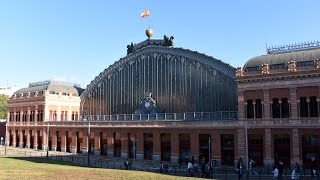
(313,106)
(250,112)
(258,107)
(284,108)
(303,107)
(305,63)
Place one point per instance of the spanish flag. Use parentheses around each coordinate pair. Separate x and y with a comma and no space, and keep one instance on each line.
(145,13)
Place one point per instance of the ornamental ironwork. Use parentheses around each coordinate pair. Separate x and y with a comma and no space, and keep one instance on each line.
(293,47)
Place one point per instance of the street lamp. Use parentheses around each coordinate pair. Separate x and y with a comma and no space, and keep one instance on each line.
(134,151)
(209,142)
(48,140)
(89,144)
(246,134)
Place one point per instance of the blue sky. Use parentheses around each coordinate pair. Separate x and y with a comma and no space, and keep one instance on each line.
(75,40)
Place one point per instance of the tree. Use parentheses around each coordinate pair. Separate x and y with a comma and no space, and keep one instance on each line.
(3,106)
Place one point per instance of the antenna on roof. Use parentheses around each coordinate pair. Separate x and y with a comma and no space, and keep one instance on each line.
(266,43)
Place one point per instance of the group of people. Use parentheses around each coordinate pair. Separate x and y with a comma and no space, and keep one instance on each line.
(296,172)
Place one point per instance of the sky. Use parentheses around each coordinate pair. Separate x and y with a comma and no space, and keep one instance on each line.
(75,40)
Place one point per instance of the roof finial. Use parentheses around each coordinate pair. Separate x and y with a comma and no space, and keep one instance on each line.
(149,32)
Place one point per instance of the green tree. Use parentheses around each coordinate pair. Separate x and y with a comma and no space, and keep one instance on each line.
(3,106)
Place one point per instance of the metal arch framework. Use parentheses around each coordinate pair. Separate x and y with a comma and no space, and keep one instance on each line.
(102,88)
(183,53)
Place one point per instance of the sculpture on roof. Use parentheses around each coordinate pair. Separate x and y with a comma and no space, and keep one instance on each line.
(168,41)
(130,48)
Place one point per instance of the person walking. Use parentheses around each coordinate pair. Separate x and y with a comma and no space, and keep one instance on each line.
(275,173)
(251,167)
(240,168)
(314,168)
(297,172)
(280,168)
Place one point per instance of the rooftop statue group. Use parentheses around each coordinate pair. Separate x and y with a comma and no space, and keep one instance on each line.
(167,42)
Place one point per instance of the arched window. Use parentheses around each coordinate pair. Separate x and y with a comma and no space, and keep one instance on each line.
(250,112)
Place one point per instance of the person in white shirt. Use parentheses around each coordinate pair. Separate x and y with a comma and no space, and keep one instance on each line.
(189,166)
(275,172)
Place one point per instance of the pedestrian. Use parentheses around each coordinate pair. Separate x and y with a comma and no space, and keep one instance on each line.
(192,159)
(207,169)
(240,168)
(203,168)
(280,168)
(196,168)
(190,168)
(251,167)
(314,168)
(297,171)
(126,164)
(275,172)
(161,167)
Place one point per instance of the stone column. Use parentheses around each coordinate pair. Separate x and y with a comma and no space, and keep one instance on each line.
(140,144)
(7,138)
(110,142)
(8,116)
(21,117)
(241,105)
(194,145)
(295,147)
(28,115)
(53,133)
(268,160)
(241,145)
(216,148)
(266,103)
(36,115)
(28,138)
(254,109)
(156,146)
(85,143)
(21,138)
(174,147)
(35,139)
(73,141)
(124,144)
(63,135)
(97,140)
(44,138)
(14,137)
(293,100)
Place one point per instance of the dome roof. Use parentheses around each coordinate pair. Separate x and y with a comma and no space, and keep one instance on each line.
(283,58)
(51,86)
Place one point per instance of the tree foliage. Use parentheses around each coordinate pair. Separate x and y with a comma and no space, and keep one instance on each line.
(3,106)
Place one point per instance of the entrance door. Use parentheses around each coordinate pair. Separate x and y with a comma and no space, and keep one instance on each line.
(282,149)
(204,147)
(227,149)
(255,145)
(165,147)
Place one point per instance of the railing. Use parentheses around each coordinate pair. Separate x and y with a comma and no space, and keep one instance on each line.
(220,115)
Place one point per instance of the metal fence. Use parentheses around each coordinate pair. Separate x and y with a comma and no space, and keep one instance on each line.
(220,115)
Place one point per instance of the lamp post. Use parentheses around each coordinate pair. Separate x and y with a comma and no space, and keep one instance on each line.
(5,140)
(246,134)
(89,144)
(134,152)
(48,140)
(209,144)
